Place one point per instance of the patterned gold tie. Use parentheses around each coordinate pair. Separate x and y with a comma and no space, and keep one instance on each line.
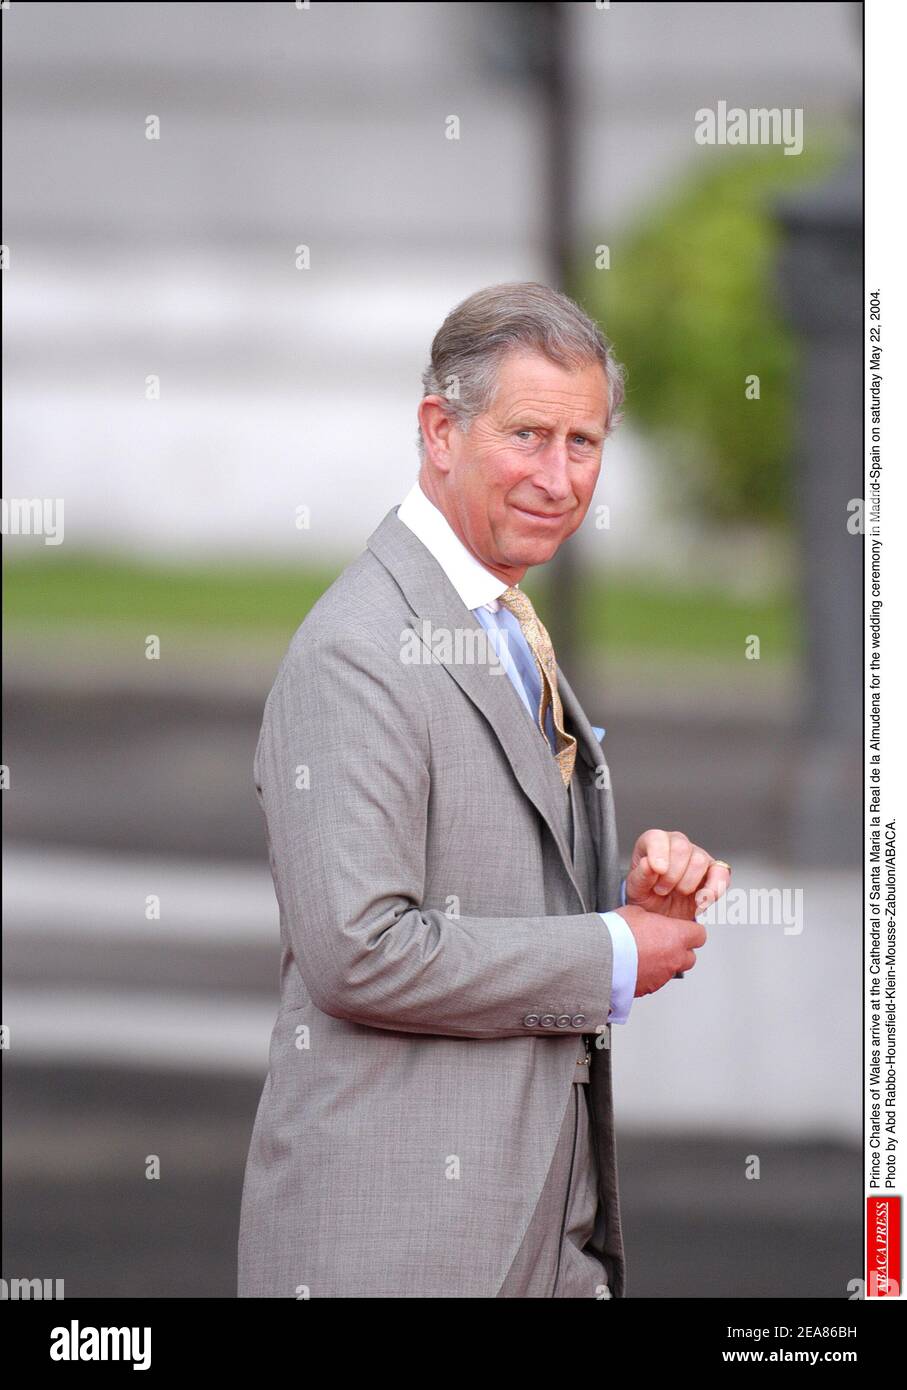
(540,645)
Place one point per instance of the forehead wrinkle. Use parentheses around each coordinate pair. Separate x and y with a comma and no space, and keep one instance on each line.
(528,405)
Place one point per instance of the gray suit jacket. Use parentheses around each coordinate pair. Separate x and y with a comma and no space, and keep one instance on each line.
(431,927)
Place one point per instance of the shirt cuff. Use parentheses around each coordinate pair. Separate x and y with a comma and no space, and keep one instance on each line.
(625,962)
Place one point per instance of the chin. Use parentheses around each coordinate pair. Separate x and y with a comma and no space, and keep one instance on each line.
(533,552)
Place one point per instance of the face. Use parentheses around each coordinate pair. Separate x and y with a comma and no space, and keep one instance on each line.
(520,481)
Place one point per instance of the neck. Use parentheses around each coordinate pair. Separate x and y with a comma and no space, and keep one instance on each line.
(508,574)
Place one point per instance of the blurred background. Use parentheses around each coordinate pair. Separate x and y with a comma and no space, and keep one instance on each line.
(226,417)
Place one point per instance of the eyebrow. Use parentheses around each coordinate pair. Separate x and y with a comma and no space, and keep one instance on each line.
(530,422)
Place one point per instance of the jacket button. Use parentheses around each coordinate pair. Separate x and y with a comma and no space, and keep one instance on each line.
(531,1021)
(564,1021)
(547,1020)
(579,1020)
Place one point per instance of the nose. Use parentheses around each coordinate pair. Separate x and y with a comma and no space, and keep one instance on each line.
(553,472)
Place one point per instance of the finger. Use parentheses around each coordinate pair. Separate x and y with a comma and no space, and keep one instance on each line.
(704,901)
(696,935)
(695,872)
(641,879)
(719,880)
(680,857)
(656,846)
(715,885)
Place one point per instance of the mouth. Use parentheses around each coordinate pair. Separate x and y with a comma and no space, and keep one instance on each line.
(548,518)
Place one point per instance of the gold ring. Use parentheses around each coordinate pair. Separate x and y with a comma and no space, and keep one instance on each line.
(722,864)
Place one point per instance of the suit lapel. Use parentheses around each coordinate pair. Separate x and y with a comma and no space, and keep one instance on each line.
(434,601)
(589,750)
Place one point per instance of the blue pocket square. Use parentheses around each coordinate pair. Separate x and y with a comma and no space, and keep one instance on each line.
(599,733)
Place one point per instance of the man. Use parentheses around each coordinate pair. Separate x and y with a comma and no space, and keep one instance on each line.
(437,1118)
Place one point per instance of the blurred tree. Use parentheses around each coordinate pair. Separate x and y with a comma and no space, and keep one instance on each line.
(691,308)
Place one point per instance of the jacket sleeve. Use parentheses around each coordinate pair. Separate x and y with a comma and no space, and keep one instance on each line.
(343,772)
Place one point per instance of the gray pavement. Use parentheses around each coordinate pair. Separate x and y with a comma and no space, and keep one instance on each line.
(78,1205)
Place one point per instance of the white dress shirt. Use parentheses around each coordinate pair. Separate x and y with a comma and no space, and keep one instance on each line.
(480,590)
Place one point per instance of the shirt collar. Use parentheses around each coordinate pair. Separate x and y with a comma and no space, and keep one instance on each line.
(477,586)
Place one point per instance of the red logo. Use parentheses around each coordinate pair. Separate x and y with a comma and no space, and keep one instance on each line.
(883,1247)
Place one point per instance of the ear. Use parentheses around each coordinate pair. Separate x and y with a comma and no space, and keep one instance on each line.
(437,429)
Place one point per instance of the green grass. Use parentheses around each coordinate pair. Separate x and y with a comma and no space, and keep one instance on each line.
(617,615)
(92,591)
(628,616)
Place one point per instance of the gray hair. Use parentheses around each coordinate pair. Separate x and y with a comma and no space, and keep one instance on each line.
(468,347)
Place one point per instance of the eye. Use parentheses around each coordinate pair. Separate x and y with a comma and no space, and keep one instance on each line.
(526,432)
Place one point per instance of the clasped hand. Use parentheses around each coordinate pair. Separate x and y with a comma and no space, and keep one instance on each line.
(670,880)
(670,875)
